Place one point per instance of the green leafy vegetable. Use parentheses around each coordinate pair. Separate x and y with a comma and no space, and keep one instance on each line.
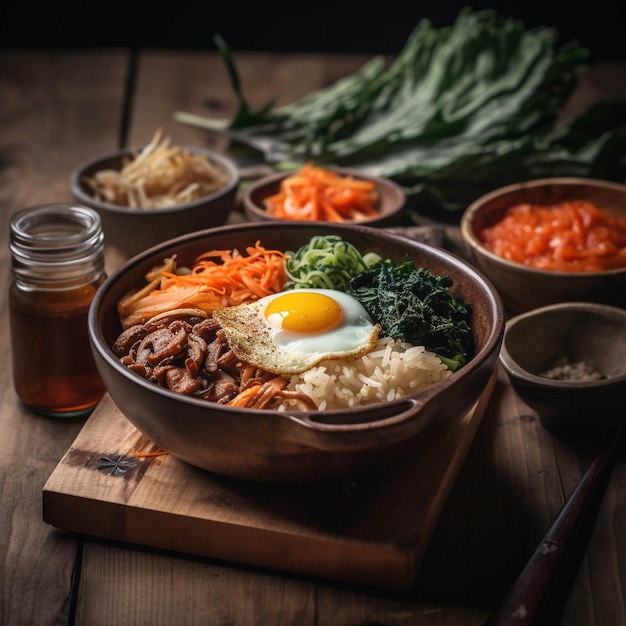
(462,109)
(326,262)
(413,305)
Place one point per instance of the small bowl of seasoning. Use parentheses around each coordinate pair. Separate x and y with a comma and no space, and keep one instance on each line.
(566,361)
(551,240)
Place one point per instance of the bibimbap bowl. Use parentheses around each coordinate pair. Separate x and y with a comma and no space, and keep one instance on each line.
(295,444)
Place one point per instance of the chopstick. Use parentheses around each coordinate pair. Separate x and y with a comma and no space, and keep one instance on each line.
(539,593)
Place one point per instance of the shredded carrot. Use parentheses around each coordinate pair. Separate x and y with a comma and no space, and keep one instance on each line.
(247,396)
(317,194)
(218,278)
(145,455)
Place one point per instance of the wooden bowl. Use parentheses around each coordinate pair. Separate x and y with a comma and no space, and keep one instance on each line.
(281,446)
(129,230)
(390,204)
(523,287)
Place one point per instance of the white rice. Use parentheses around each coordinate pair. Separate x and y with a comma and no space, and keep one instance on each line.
(392,370)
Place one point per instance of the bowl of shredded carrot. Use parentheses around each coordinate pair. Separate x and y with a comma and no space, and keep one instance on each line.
(552,240)
(321,194)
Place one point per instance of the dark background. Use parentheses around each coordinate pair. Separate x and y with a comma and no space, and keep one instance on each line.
(323,26)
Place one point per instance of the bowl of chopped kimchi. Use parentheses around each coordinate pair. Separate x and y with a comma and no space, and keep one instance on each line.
(315,193)
(551,240)
(149,194)
(294,352)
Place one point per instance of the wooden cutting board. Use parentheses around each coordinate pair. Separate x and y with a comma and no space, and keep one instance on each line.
(370,532)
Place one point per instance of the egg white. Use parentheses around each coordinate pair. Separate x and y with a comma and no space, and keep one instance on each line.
(255,340)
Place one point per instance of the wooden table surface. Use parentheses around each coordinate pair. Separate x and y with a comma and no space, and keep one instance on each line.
(60,107)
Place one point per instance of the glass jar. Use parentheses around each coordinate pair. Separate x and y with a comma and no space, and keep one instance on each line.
(57,265)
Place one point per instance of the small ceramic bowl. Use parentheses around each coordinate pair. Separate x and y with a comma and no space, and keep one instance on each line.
(130,230)
(580,340)
(523,287)
(390,204)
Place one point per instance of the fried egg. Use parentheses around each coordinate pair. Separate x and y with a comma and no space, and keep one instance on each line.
(291,331)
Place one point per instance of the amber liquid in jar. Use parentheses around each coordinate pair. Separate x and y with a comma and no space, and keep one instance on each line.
(52,371)
(57,267)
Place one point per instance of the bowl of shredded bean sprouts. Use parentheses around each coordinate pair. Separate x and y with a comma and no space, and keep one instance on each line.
(147,195)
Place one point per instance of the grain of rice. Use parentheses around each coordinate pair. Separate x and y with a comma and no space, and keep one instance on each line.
(391,371)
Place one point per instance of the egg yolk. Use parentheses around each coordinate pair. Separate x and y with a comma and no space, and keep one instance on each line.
(304,312)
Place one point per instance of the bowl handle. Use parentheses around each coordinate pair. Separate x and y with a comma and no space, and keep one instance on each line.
(365,419)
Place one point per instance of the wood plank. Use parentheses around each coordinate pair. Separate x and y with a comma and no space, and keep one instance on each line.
(56,109)
(341,531)
(516,478)
(197,82)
